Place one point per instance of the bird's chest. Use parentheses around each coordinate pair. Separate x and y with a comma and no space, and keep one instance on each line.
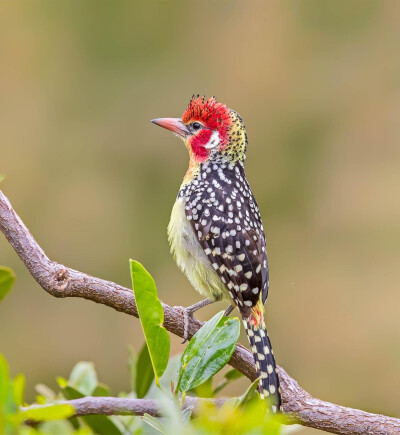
(181,235)
(190,256)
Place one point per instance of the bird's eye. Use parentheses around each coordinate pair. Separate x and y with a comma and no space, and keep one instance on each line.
(196,126)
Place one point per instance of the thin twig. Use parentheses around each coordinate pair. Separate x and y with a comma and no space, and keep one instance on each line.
(61,281)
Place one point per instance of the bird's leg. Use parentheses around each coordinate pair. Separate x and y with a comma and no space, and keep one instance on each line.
(229,310)
(188,312)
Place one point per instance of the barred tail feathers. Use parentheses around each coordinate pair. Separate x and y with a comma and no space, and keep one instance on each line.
(264,360)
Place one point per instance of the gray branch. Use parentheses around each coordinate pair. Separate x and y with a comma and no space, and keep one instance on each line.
(61,281)
(121,406)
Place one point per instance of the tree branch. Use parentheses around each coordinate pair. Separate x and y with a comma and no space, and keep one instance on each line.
(61,281)
(121,406)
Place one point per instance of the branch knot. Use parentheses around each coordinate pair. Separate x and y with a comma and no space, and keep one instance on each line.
(62,279)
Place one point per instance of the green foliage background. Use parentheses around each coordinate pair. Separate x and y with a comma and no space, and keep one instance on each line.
(208,352)
(318,85)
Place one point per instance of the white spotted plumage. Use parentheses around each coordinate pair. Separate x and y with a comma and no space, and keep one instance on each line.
(218,241)
(234,242)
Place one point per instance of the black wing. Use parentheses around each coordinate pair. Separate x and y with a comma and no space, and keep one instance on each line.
(227,224)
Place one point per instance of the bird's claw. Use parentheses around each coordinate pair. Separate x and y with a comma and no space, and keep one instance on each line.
(186,314)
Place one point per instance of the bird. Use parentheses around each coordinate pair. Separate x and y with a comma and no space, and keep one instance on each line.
(216,233)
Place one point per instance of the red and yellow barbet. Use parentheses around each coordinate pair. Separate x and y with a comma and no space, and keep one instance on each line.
(216,233)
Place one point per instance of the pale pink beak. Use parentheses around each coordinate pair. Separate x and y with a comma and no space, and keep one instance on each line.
(174,124)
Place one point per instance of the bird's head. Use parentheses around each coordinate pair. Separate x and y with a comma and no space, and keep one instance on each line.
(210,131)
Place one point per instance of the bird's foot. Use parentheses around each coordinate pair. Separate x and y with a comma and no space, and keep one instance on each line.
(188,312)
(229,310)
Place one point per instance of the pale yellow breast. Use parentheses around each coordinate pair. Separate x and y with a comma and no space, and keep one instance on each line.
(190,257)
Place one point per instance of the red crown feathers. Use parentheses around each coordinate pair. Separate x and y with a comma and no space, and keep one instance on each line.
(214,115)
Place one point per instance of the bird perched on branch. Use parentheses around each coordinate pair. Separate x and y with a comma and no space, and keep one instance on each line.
(215,232)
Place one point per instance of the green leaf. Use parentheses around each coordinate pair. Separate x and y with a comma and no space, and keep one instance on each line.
(2,177)
(205,389)
(154,423)
(151,316)
(58,427)
(83,378)
(101,425)
(144,373)
(71,393)
(170,376)
(50,412)
(46,392)
(233,374)
(18,389)
(4,380)
(249,394)
(7,278)
(200,338)
(101,390)
(229,376)
(186,414)
(208,351)
(62,382)
(132,365)
(40,400)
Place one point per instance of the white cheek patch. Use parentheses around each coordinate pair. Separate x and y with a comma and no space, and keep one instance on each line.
(214,141)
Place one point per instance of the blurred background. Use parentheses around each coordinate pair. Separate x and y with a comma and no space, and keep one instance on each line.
(318,85)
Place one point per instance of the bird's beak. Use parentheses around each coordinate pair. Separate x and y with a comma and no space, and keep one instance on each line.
(174,124)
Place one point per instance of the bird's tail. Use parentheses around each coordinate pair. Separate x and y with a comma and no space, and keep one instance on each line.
(263,357)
